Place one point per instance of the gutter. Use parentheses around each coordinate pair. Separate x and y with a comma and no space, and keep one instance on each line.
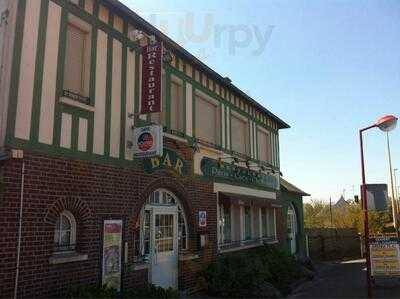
(116,5)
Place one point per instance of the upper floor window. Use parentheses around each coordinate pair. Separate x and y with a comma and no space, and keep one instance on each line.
(264,146)
(77,61)
(65,232)
(177,113)
(207,119)
(240,136)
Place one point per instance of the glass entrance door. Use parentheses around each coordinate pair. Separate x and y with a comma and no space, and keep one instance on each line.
(164,246)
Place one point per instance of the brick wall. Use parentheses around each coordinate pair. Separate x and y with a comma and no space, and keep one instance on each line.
(93,193)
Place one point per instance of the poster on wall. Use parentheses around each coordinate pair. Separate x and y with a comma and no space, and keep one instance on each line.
(385,256)
(112,251)
(202,219)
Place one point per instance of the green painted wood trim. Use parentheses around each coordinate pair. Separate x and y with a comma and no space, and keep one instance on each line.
(230,128)
(60,152)
(122,142)
(74,132)
(107,126)
(60,76)
(39,66)
(15,70)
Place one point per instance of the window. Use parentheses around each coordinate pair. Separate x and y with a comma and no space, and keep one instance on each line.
(177,112)
(225,224)
(207,120)
(264,223)
(65,232)
(77,62)
(264,147)
(240,138)
(247,223)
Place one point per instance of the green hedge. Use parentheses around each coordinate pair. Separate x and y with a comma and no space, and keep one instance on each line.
(148,291)
(260,272)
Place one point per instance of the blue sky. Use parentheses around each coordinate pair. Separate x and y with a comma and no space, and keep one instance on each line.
(328,68)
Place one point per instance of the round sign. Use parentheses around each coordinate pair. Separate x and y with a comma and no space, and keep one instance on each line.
(145,141)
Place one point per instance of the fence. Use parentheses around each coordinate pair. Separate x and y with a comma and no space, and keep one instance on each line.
(332,244)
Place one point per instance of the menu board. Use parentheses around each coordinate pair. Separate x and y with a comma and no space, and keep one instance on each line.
(385,256)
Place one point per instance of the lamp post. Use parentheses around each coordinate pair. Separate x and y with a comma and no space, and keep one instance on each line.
(386,124)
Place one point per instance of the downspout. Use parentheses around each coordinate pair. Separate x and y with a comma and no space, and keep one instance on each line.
(21,203)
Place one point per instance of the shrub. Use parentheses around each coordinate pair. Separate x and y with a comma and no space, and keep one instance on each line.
(254,273)
(147,291)
(151,291)
(92,292)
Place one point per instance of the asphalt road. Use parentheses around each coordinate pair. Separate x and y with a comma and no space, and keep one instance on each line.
(345,280)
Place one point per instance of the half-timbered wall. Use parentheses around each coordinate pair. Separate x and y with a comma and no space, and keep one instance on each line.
(42,117)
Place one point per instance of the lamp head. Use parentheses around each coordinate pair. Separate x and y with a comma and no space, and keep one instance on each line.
(387,123)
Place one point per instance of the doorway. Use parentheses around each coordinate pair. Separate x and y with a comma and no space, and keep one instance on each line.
(163,231)
(292,229)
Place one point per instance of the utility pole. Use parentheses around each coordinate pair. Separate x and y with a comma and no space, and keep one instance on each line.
(330,210)
(394,204)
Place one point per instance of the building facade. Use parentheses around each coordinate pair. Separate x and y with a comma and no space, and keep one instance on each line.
(76,208)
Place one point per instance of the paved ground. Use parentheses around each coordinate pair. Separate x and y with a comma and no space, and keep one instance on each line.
(345,280)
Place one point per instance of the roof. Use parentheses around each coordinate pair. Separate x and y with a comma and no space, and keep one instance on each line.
(146,26)
(292,188)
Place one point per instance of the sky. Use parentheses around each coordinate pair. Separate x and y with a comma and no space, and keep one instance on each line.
(327,68)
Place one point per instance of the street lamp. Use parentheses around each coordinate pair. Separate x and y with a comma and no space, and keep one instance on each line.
(386,124)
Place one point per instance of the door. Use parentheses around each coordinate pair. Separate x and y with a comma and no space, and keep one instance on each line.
(292,229)
(164,247)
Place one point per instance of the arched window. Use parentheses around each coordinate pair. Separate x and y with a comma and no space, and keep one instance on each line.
(65,232)
(160,197)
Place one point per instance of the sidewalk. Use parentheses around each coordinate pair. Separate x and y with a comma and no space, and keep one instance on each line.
(345,280)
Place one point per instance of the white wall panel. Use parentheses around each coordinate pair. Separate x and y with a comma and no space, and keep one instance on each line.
(115,134)
(27,70)
(66,127)
(130,101)
(46,123)
(100,98)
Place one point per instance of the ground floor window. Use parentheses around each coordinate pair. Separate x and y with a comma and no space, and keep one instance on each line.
(247,224)
(65,232)
(241,225)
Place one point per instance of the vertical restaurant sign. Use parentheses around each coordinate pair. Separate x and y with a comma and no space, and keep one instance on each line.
(151,78)
(112,253)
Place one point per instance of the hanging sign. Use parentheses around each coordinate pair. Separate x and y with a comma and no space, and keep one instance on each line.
(151,78)
(202,219)
(147,141)
(227,171)
(112,254)
(169,160)
(385,256)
